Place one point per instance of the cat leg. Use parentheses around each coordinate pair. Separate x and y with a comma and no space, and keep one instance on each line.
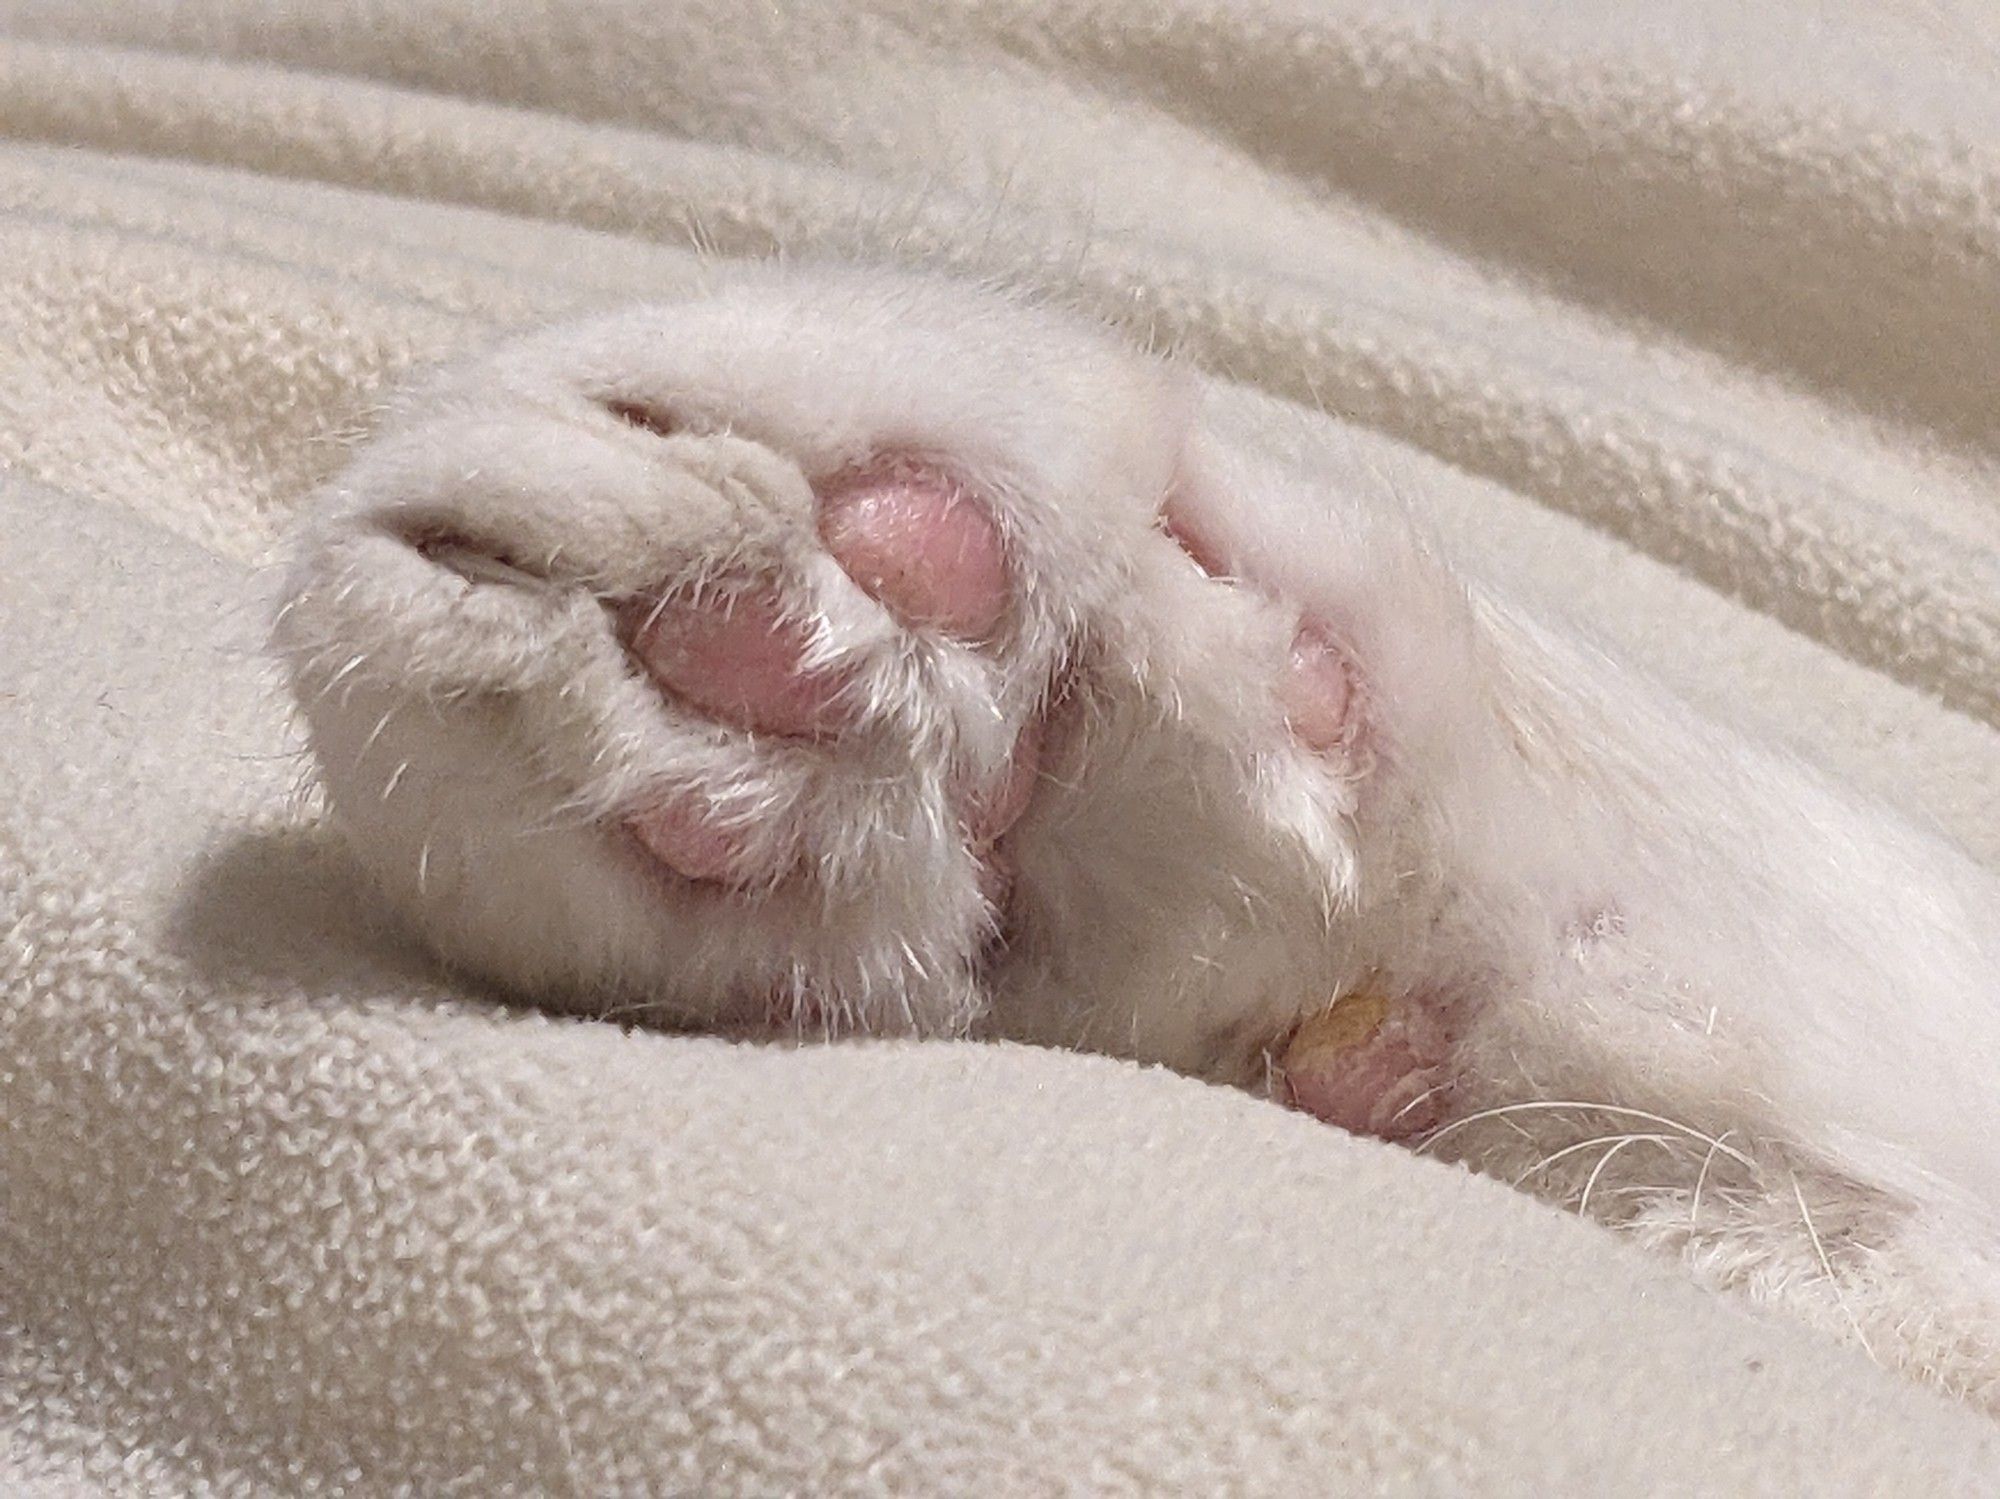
(1618,955)
(852,646)
(836,651)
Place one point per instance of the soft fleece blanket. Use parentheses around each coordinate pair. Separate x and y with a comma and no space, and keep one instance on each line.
(1680,316)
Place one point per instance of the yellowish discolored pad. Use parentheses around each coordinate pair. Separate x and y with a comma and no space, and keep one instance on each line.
(1371,1064)
(1350,1022)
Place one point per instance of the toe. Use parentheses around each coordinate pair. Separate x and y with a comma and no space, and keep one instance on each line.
(919,543)
(992,810)
(740,658)
(1316,686)
(684,835)
(1316,690)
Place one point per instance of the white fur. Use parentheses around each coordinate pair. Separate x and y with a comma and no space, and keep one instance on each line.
(1700,991)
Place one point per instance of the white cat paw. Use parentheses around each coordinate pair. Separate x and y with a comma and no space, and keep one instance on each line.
(738,661)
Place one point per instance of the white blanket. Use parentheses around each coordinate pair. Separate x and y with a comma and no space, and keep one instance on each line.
(1680,318)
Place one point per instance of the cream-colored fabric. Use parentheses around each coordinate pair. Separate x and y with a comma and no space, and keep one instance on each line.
(1682,317)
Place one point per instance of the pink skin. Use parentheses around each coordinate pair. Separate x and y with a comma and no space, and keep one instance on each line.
(738,658)
(681,834)
(1394,1084)
(916,541)
(1316,691)
(1315,688)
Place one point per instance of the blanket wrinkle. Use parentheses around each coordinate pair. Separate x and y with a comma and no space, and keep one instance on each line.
(1676,318)
(1760,512)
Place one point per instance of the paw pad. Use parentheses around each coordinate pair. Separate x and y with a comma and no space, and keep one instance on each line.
(918,543)
(738,656)
(1370,1065)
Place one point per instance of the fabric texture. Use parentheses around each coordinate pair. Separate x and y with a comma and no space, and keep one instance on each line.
(1679,319)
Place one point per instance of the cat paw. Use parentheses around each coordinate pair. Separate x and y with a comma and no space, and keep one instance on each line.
(739,661)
